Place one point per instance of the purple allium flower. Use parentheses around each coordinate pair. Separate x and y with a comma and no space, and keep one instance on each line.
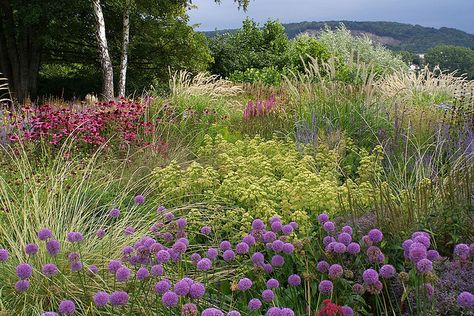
(347,230)
(278,261)
(249,240)
(375,235)
(45,234)
(347,311)
(73,256)
(142,274)
(129,231)
(24,270)
(74,237)
(204,264)
(358,289)
(466,300)
(423,240)
(258,258)
(325,287)
(335,271)
(212,312)
(212,253)
(322,266)
(127,250)
(197,290)
(344,238)
(258,224)
(181,288)
(76,266)
(387,271)
(429,290)
(157,270)
(228,255)
(276,226)
(461,251)
(167,236)
(50,314)
(233,313)
(101,299)
(269,236)
(267,268)
(22,286)
(416,252)
(119,298)
(160,209)
(353,248)
(189,309)
(114,265)
(329,226)
(31,249)
(339,247)
(330,247)
(4,255)
(254,304)
(294,225)
(170,299)
(195,257)
(323,218)
(244,284)
(100,233)
(406,244)
(53,247)
(162,286)
(424,266)
(92,269)
(242,248)
(49,269)
(433,255)
(179,247)
(206,230)
(181,223)
(163,256)
(370,276)
(294,280)
(114,213)
(471,250)
(277,245)
(288,248)
(287,229)
(139,199)
(366,239)
(225,245)
(373,253)
(169,216)
(67,307)
(268,295)
(273,284)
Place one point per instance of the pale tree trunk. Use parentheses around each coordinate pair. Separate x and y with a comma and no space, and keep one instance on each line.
(106,63)
(125,44)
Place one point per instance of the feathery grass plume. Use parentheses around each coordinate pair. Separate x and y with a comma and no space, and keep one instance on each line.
(5,95)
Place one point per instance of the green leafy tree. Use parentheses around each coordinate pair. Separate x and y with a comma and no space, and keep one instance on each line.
(452,58)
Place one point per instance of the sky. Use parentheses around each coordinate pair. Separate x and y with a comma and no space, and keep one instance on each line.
(435,13)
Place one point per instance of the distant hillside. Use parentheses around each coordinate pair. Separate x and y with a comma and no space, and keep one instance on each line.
(397,36)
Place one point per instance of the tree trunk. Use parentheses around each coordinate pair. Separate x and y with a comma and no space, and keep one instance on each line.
(106,63)
(124,58)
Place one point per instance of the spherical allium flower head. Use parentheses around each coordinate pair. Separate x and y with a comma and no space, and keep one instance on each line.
(277,245)
(325,287)
(74,237)
(119,298)
(114,213)
(294,280)
(466,300)
(335,271)
(31,249)
(76,266)
(169,216)
(49,269)
(4,255)
(267,268)
(406,244)
(73,256)
(182,288)
(179,247)
(163,256)
(181,223)
(353,248)
(322,266)
(24,271)
(416,252)
(288,248)
(276,226)
(258,258)
(92,270)
(433,255)
(347,229)
(212,253)
(416,234)
(358,289)
(323,218)
(249,240)
(424,266)
(287,229)
(129,231)
(269,236)
(233,313)
(160,209)
(225,245)
(167,236)
(22,286)
(339,247)
(273,284)
(344,238)
(53,247)
(244,284)
(206,230)
(45,234)
(139,199)
(254,304)
(258,224)
(370,276)
(114,265)
(156,270)
(278,261)
(242,248)
(423,240)
(162,286)
(100,233)
(330,247)
(101,299)
(204,264)
(329,227)
(212,312)
(142,274)
(375,235)
(387,271)
(197,290)
(373,253)
(461,251)
(67,307)
(50,314)
(228,255)
(268,295)
(347,311)
(189,309)
(170,299)
(367,241)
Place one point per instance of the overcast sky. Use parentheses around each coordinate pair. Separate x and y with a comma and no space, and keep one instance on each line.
(437,13)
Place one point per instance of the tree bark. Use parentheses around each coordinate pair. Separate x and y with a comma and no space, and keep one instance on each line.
(105,61)
(124,58)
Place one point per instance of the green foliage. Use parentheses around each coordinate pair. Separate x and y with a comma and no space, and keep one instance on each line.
(452,58)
